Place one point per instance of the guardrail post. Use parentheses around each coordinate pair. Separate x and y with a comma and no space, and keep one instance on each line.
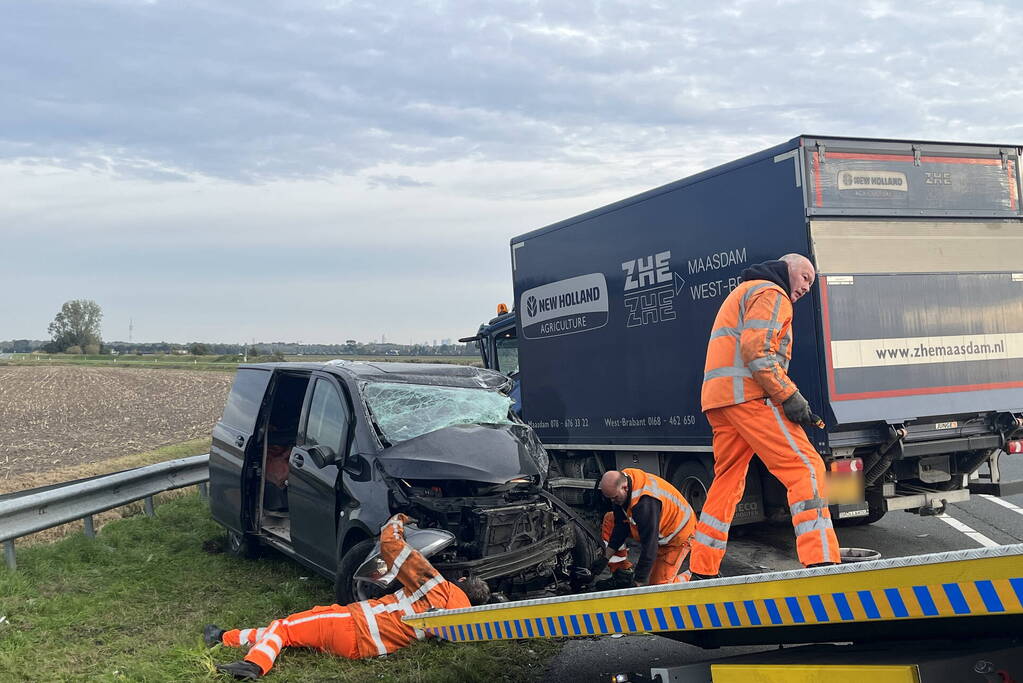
(204,494)
(12,563)
(148,505)
(90,529)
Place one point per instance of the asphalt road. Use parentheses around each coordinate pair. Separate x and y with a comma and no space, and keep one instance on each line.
(763,548)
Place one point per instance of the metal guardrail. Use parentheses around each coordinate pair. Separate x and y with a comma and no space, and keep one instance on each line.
(36,511)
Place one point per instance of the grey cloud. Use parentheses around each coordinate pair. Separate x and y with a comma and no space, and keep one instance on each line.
(259,90)
(395,182)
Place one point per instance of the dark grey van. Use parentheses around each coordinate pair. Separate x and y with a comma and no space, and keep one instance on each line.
(313,458)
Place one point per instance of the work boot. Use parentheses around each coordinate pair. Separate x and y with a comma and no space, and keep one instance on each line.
(242,670)
(623,578)
(693,576)
(212,634)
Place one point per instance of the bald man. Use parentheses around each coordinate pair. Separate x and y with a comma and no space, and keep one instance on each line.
(755,408)
(653,512)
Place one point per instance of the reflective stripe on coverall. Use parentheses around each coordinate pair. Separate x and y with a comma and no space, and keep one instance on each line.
(676,525)
(362,629)
(745,382)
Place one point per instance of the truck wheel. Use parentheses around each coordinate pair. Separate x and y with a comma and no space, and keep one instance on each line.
(346,589)
(243,545)
(693,481)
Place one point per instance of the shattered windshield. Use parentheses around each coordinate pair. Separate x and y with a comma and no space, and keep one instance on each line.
(405,411)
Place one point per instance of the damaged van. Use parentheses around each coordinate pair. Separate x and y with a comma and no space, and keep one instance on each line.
(313,458)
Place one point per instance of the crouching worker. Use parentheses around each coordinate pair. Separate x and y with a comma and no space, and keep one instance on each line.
(652,511)
(362,629)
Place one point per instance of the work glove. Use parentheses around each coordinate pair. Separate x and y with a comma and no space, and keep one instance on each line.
(798,410)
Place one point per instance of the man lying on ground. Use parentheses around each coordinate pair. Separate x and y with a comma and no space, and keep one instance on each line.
(362,629)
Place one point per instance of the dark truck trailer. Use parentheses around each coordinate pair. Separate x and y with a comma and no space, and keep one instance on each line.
(910,347)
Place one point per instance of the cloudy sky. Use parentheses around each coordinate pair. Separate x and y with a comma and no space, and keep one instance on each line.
(318,171)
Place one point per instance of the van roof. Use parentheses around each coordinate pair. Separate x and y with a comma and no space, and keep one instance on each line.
(442,374)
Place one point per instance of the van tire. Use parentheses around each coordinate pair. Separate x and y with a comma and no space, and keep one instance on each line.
(344,584)
(584,552)
(243,545)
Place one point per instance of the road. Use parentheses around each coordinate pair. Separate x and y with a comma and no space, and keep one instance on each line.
(981,521)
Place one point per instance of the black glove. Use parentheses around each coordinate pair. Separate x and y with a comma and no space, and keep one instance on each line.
(798,410)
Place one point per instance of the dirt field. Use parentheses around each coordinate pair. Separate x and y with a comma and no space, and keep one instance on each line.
(57,416)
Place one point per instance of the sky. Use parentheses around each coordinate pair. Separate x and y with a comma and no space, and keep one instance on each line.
(322,171)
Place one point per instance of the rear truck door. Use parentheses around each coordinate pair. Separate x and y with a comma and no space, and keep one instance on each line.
(230,470)
(921,283)
(326,421)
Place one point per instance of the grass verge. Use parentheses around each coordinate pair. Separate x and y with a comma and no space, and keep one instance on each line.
(129,605)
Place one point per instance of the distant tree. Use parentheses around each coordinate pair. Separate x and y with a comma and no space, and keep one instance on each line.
(91,349)
(252,351)
(197,349)
(77,324)
(75,350)
(277,356)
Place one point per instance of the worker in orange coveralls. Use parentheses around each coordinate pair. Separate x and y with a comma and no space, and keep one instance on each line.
(753,407)
(653,512)
(361,629)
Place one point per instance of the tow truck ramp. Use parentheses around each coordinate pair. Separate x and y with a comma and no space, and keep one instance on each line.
(964,596)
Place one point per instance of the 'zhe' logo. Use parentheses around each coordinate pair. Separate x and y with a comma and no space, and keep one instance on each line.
(578,304)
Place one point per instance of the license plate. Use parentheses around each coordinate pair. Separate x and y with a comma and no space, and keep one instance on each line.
(845,487)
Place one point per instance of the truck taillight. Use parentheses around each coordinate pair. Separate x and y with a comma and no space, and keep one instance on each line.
(847,465)
(1014,447)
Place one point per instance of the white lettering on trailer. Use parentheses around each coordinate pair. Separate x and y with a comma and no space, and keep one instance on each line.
(714,288)
(717,261)
(647,271)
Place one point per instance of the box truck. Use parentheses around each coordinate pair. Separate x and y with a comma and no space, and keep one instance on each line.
(910,346)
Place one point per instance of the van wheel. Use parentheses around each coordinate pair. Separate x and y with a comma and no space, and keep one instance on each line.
(584,552)
(346,589)
(693,481)
(243,545)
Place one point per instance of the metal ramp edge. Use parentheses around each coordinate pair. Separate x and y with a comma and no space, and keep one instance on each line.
(976,592)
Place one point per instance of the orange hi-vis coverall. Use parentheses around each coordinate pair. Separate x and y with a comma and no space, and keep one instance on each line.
(674,528)
(362,629)
(744,384)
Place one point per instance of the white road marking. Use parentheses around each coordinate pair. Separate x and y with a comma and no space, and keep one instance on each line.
(968,531)
(1004,503)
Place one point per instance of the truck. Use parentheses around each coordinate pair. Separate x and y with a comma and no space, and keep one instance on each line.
(910,347)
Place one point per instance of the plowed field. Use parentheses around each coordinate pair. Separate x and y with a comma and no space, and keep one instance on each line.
(56,416)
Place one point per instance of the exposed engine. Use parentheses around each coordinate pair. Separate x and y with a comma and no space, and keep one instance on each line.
(505,530)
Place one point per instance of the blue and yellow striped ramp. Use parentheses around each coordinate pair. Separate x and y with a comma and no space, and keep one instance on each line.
(979,586)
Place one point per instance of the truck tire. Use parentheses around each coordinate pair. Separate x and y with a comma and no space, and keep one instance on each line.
(692,480)
(243,545)
(346,589)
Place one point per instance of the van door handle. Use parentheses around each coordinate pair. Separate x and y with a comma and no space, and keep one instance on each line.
(239,441)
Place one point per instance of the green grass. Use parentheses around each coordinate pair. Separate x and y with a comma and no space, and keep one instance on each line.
(130,604)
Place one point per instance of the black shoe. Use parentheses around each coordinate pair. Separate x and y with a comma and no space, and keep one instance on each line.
(821,564)
(212,634)
(693,576)
(623,578)
(242,670)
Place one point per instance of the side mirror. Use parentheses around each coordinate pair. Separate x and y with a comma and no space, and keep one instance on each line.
(322,455)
